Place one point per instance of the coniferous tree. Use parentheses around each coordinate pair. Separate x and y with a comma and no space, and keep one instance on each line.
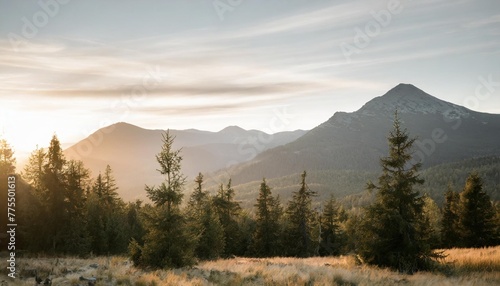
(205,223)
(96,217)
(54,191)
(110,217)
(168,242)
(34,171)
(228,210)
(75,236)
(266,237)
(36,234)
(134,221)
(432,222)
(331,233)
(7,159)
(450,224)
(300,216)
(477,215)
(394,226)
(110,195)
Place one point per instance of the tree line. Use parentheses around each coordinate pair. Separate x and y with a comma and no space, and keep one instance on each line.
(66,212)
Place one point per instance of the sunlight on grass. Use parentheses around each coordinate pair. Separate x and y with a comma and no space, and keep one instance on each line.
(465,267)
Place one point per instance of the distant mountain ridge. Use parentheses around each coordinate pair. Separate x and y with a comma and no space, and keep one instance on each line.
(130,151)
(347,143)
(355,141)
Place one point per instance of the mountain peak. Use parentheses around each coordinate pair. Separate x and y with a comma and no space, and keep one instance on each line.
(407,98)
(232,129)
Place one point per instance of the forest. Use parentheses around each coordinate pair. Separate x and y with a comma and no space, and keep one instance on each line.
(64,211)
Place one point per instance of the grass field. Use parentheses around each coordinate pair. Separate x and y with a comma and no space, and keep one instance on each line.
(460,267)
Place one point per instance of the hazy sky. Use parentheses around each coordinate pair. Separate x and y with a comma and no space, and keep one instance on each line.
(71,66)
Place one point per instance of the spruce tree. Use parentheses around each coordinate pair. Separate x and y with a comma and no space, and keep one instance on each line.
(37,234)
(394,227)
(228,210)
(300,222)
(266,237)
(7,159)
(168,242)
(54,194)
(110,195)
(477,215)
(331,234)
(75,236)
(204,223)
(450,224)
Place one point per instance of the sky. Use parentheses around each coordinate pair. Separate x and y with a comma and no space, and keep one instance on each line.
(70,67)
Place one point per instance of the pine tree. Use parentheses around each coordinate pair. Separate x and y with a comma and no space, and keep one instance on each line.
(477,215)
(134,221)
(110,195)
(450,224)
(36,233)
(7,159)
(107,216)
(394,225)
(331,234)
(54,191)
(205,223)
(168,242)
(75,236)
(432,222)
(96,217)
(266,238)
(228,210)
(34,171)
(301,217)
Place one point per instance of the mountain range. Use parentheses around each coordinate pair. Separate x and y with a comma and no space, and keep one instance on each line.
(355,141)
(351,142)
(130,151)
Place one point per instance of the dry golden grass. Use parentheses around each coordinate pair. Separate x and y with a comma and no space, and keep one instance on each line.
(463,267)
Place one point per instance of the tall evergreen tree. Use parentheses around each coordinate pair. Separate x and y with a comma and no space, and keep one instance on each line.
(34,171)
(477,215)
(205,223)
(54,190)
(432,222)
(450,224)
(168,242)
(266,238)
(36,232)
(394,226)
(134,221)
(7,159)
(228,210)
(75,236)
(301,217)
(110,195)
(331,234)
(107,216)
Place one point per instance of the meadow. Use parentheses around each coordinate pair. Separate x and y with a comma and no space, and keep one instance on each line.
(461,267)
